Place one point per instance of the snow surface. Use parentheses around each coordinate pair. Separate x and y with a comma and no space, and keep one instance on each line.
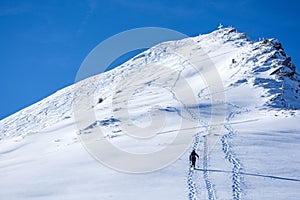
(254,156)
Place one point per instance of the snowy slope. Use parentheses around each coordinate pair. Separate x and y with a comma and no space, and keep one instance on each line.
(254,154)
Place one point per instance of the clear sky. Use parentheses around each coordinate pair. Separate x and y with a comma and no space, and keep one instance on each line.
(43,43)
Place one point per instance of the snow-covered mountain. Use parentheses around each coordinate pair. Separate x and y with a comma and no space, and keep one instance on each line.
(253,154)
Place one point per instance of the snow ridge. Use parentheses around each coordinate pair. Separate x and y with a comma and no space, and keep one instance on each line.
(264,64)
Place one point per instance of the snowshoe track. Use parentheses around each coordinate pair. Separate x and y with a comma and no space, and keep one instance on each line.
(192,186)
(230,155)
(236,166)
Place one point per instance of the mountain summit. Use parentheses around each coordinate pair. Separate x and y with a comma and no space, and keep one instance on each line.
(262,65)
(232,100)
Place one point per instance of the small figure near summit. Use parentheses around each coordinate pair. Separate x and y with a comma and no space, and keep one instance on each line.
(193,157)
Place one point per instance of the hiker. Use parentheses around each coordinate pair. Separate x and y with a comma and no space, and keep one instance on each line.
(193,158)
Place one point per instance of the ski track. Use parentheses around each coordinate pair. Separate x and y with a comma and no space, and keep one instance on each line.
(209,186)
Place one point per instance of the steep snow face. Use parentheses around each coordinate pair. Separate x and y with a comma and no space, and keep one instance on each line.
(268,67)
(257,110)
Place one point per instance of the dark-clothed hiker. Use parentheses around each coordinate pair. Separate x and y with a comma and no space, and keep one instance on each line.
(193,158)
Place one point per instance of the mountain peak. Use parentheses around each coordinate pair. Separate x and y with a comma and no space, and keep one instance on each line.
(261,68)
(228,34)
(227,98)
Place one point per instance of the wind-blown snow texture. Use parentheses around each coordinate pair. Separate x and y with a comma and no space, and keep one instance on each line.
(256,155)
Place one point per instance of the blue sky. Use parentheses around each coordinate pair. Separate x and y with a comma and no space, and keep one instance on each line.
(44,42)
